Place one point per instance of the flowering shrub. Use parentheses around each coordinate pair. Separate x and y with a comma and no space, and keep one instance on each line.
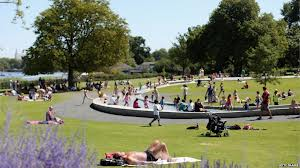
(43,148)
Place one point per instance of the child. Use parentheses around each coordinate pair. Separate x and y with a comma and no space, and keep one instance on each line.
(136,103)
(258,100)
(146,102)
(126,99)
(247,102)
(162,102)
(116,102)
(228,104)
(276,97)
(236,96)
(152,96)
(223,102)
(294,106)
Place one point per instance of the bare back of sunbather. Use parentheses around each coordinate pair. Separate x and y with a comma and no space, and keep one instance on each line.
(157,150)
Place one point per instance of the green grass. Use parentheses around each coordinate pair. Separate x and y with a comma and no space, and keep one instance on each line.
(280,143)
(199,92)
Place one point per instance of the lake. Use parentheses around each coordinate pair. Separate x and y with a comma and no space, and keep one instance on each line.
(21,75)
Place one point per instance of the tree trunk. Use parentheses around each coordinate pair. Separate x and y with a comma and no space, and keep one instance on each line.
(183,69)
(71,77)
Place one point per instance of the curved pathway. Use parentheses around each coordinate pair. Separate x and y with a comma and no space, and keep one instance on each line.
(73,108)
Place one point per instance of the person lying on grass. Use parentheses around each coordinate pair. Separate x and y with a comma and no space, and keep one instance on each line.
(156,150)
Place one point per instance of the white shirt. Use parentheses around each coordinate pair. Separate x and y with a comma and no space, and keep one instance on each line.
(156,109)
(185,90)
(191,106)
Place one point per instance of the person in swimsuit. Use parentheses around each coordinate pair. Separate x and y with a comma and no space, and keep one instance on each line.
(156,150)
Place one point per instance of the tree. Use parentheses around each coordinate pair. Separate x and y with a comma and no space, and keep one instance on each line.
(159,54)
(178,53)
(138,49)
(291,15)
(271,46)
(290,12)
(19,12)
(223,42)
(292,55)
(77,35)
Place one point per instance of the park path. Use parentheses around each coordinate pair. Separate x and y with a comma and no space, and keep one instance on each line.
(73,108)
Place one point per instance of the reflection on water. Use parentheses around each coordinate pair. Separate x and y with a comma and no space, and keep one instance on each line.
(20,75)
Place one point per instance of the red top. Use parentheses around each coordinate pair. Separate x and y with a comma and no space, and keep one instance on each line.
(135,104)
(265,97)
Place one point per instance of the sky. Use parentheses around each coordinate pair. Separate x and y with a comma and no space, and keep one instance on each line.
(158,21)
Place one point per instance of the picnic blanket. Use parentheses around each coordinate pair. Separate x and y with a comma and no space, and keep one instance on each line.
(176,160)
(35,122)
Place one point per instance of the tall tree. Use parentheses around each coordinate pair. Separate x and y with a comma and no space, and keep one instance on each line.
(228,35)
(271,46)
(178,53)
(291,12)
(138,49)
(77,35)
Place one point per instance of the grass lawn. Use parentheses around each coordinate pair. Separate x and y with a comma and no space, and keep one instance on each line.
(280,143)
(199,92)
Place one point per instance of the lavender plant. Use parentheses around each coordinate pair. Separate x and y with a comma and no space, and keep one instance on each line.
(43,148)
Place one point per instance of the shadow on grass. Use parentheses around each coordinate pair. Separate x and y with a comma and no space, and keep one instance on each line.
(145,126)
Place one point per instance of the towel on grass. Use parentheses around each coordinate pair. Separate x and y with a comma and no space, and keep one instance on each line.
(176,160)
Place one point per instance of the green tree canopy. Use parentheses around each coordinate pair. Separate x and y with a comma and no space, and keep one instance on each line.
(227,36)
(271,46)
(77,35)
(291,13)
(138,49)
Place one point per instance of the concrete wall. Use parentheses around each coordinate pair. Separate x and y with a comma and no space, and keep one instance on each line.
(128,111)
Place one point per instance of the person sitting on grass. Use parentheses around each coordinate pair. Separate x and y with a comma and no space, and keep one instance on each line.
(156,150)
(246,86)
(136,103)
(283,95)
(290,93)
(50,117)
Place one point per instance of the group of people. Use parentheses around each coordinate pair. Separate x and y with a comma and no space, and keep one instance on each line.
(188,106)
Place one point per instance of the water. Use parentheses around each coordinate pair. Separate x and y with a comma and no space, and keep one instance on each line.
(21,75)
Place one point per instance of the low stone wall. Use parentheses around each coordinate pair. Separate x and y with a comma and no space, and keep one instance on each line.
(128,111)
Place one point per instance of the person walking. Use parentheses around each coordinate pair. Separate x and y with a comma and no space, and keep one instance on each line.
(156,110)
(185,91)
(265,103)
(84,95)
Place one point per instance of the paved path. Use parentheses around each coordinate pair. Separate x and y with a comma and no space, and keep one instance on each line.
(73,108)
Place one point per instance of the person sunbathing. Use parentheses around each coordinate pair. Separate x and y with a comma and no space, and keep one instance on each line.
(156,150)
